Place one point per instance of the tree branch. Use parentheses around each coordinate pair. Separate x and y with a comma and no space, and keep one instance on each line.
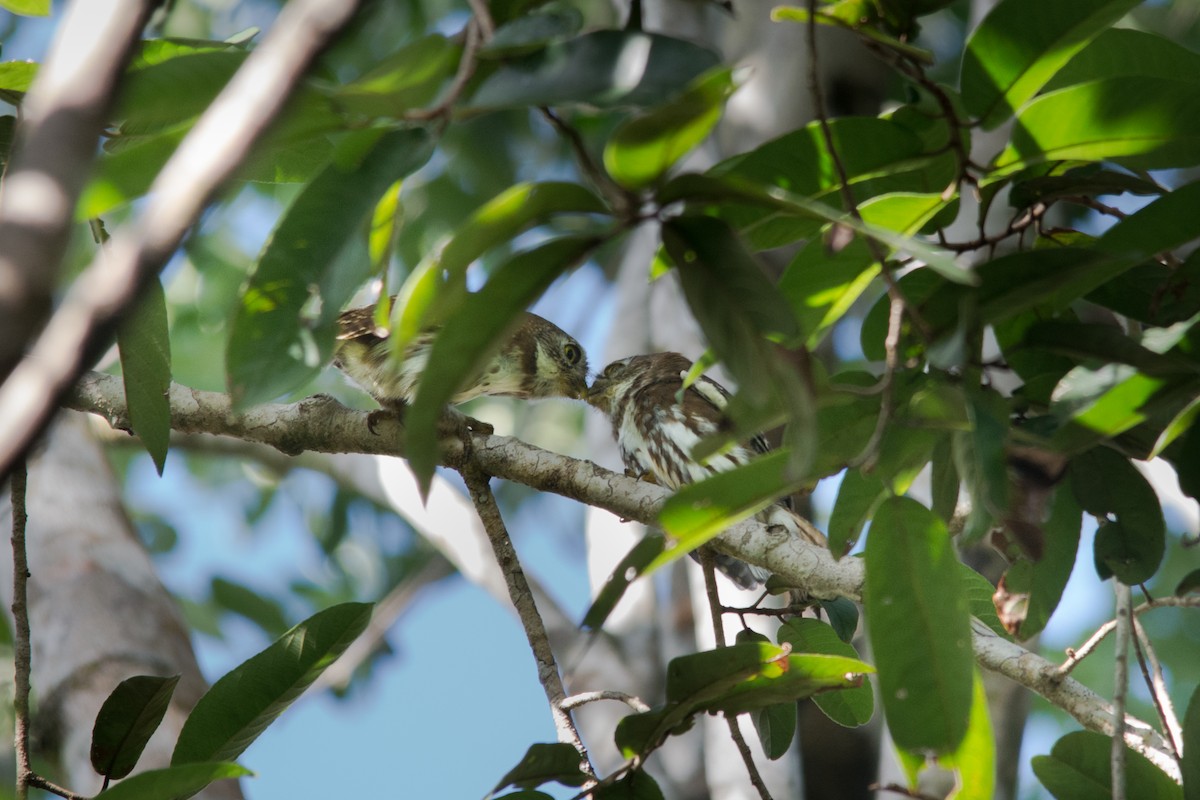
(21,649)
(522,598)
(324,425)
(206,157)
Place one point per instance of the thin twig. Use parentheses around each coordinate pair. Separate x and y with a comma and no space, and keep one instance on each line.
(623,203)
(38,782)
(1076,655)
(735,733)
(1152,672)
(1121,685)
(474,38)
(20,609)
(583,698)
(869,455)
(522,598)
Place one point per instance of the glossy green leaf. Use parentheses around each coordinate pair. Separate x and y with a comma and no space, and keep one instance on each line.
(274,346)
(632,566)
(1119,52)
(243,702)
(1131,545)
(1154,293)
(127,720)
(1164,224)
(802,677)
(975,759)
(860,17)
(173,783)
(1141,123)
(145,347)
(917,619)
(406,79)
(843,616)
(124,174)
(603,68)
(848,707)
(1079,767)
(642,149)
(543,763)
(438,285)
(1089,180)
(1007,60)
(470,337)
(550,23)
(386,219)
(858,497)
(1190,763)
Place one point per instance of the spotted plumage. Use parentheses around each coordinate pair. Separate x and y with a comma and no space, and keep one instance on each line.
(656,430)
(538,360)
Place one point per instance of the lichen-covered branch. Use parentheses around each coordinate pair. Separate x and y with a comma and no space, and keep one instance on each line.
(324,425)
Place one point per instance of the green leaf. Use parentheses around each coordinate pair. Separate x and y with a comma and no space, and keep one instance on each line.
(438,285)
(858,497)
(1131,544)
(603,68)
(145,347)
(1164,224)
(408,78)
(127,720)
(1154,293)
(28,8)
(1082,340)
(1007,60)
(1079,767)
(776,728)
(919,627)
(242,703)
(642,149)
(161,95)
(701,510)
(635,785)
(1127,51)
(631,567)
(822,286)
(975,758)
(1140,123)
(848,707)
(1047,577)
(534,31)
(15,80)
(264,612)
(946,484)
(979,591)
(172,783)
(1190,763)
(470,337)
(543,763)
(273,348)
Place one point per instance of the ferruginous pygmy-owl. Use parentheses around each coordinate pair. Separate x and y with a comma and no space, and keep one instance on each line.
(656,433)
(539,359)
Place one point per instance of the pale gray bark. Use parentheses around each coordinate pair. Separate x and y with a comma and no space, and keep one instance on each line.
(97,611)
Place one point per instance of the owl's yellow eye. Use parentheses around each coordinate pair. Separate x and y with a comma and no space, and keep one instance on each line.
(572,353)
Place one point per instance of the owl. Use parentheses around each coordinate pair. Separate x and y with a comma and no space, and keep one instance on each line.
(656,430)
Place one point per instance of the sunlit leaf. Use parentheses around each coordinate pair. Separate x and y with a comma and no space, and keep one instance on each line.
(642,149)
(408,78)
(1007,60)
(470,337)
(273,348)
(1119,52)
(975,758)
(28,8)
(627,570)
(848,707)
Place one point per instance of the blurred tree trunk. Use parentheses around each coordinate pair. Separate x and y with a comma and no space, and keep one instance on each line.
(97,611)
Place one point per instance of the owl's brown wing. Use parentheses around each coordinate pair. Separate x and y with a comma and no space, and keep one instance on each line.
(359,322)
